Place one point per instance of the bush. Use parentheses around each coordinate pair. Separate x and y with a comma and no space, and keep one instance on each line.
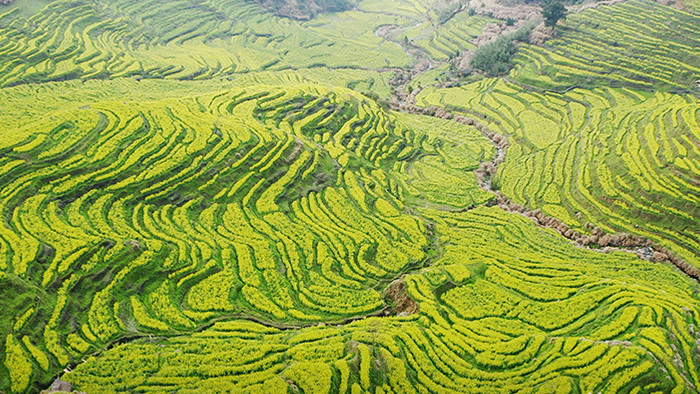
(496,58)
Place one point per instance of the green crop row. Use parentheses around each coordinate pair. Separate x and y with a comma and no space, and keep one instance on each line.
(172,215)
(158,216)
(608,46)
(624,160)
(68,40)
(476,330)
(451,38)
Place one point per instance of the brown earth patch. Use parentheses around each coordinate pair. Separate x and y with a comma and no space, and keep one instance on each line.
(397,295)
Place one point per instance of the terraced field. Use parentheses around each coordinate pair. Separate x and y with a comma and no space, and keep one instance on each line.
(612,46)
(200,196)
(283,213)
(24,103)
(451,38)
(627,161)
(508,307)
(68,40)
(261,202)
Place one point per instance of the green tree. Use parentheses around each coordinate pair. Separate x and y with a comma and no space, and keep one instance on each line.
(495,58)
(553,11)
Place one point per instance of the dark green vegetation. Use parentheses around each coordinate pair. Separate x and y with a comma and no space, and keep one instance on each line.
(553,11)
(204,197)
(496,58)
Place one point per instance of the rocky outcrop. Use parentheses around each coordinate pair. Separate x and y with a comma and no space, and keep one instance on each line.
(60,386)
(303,9)
(495,9)
(398,297)
(540,34)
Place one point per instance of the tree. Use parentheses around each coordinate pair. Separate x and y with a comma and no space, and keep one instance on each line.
(553,11)
(495,58)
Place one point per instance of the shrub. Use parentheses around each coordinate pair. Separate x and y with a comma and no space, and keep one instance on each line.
(496,58)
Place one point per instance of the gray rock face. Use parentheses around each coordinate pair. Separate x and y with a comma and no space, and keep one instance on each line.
(59,385)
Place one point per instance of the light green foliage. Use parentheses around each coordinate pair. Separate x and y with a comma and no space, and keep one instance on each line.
(310,377)
(446,178)
(38,355)
(68,40)
(17,364)
(447,40)
(142,317)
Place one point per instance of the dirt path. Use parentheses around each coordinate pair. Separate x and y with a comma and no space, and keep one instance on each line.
(597,240)
(403,101)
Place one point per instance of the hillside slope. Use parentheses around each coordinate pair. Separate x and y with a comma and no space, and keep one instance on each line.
(203,196)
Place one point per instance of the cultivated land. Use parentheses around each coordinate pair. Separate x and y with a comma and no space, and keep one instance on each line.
(202,196)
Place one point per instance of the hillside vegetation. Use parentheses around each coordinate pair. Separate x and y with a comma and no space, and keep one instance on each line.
(205,196)
(493,317)
(178,40)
